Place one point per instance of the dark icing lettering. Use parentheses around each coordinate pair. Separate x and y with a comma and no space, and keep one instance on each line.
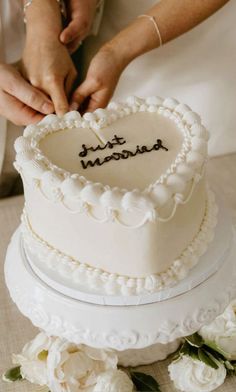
(124,154)
(116,141)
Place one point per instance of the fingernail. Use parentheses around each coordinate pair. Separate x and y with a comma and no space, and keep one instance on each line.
(74,106)
(47,108)
(68,38)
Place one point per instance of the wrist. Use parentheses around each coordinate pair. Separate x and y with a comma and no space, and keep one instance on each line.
(119,54)
(43,18)
(127,47)
(37,34)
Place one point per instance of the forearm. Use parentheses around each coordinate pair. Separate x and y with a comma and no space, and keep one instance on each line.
(174,17)
(43,17)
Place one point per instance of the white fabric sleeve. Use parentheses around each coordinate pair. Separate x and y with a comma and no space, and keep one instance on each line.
(97,18)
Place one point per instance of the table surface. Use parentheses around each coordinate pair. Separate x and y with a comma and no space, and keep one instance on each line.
(16,330)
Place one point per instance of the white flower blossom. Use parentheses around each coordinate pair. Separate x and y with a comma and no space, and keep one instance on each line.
(222,331)
(33,359)
(113,381)
(62,366)
(192,375)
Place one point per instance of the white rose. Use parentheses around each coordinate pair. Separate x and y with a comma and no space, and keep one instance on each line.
(62,366)
(113,381)
(222,331)
(71,367)
(192,375)
(33,359)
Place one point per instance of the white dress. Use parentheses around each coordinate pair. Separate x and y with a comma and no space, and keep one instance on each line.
(11,45)
(197,68)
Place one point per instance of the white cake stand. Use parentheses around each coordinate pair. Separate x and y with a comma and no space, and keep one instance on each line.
(142,332)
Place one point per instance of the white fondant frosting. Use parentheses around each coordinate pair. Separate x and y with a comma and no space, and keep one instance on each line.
(115,284)
(131,218)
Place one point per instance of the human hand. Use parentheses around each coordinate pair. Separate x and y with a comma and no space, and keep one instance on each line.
(100,82)
(47,65)
(81,14)
(19,101)
(46,62)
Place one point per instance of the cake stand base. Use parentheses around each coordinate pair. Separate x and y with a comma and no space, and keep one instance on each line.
(147,355)
(142,333)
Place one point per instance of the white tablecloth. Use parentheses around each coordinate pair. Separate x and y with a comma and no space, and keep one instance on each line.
(16,330)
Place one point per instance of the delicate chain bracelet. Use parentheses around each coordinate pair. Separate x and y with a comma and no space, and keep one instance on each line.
(29,2)
(153,20)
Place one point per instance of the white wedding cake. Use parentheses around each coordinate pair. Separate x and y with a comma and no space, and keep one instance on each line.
(117,199)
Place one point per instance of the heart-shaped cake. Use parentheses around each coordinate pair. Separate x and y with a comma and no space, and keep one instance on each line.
(117,198)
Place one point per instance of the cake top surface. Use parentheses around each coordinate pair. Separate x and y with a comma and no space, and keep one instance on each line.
(134,155)
(132,152)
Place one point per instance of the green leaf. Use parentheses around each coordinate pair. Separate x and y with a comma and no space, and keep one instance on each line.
(193,353)
(144,382)
(207,358)
(189,350)
(12,375)
(215,347)
(215,354)
(195,340)
(184,349)
(229,366)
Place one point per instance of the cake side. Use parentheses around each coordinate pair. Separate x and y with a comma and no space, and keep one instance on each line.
(113,247)
(113,283)
(124,232)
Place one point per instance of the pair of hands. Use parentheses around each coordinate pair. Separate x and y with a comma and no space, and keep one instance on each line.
(43,85)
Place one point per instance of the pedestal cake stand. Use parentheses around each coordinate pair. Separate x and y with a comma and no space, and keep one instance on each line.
(142,328)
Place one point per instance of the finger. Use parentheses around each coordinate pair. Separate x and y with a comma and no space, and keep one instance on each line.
(70,82)
(81,93)
(59,99)
(74,45)
(29,95)
(76,29)
(98,100)
(17,112)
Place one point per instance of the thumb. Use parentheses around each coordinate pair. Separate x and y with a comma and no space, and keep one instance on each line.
(98,100)
(29,95)
(82,93)
(70,33)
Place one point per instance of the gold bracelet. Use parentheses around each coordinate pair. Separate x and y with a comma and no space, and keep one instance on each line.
(29,2)
(153,20)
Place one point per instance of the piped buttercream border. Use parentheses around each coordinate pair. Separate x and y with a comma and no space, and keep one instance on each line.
(77,194)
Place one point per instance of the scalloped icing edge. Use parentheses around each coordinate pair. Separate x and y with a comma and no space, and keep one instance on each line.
(58,185)
(114,284)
